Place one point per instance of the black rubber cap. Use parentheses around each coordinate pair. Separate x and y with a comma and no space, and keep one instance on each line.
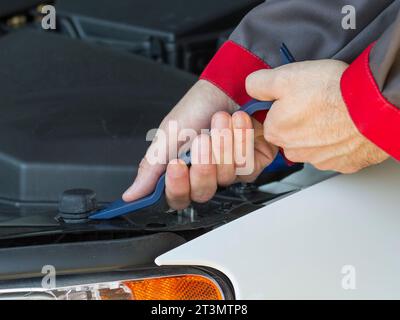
(77,202)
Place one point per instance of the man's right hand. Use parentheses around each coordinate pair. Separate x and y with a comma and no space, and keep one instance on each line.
(213,163)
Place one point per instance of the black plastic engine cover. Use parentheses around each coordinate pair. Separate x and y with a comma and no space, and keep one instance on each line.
(173,18)
(181,33)
(75,115)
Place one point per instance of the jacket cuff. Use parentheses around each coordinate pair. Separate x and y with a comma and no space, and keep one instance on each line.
(375,117)
(229,69)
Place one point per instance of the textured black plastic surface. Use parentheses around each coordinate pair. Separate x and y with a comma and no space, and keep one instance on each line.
(174,17)
(9,7)
(93,256)
(181,33)
(76,116)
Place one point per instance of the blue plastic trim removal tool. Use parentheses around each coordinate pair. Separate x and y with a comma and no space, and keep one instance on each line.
(120,207)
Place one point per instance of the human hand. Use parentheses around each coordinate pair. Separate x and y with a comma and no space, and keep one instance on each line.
(194,111)
(241,157)
(309,118)
(213,162)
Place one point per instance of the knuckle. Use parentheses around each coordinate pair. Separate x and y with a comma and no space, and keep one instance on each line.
(201,150)
(143,164)
(322,166)
(271,128)
(175,162)
(271,134)
(177,194)
(343,169)
(204,169)
(176,170)
(349,170)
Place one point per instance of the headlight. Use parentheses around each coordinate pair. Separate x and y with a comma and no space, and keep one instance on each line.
(193,286)
(183,287)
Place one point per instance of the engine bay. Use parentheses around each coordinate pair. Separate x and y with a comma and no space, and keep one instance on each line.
(75,115)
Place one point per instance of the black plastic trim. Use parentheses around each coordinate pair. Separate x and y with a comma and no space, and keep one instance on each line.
(85,257)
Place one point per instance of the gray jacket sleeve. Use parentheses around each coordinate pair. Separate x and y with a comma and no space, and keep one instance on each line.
(371,90)
(323,29)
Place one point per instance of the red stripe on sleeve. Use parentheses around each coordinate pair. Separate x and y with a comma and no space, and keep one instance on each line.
(375,117)
(229,69)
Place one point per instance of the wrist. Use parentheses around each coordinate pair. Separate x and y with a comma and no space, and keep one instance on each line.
(214,96)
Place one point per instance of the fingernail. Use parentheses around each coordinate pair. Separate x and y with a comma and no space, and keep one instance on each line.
(220,121)
(239,120)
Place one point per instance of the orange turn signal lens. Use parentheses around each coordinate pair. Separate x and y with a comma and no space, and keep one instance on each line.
(185,287)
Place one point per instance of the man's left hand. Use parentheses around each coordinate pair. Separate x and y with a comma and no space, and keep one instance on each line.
(309,118)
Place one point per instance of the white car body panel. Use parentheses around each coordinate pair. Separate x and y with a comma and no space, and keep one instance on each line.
(297,247)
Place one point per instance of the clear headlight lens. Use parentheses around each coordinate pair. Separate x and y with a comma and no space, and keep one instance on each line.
(180,287)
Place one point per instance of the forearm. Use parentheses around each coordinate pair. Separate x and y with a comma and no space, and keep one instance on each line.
(312,29)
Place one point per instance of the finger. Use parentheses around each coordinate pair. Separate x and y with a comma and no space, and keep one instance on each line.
(177,185)
(222,147)
(298,155)
(243,141)
(337,166)
(264,154)
(145,182)
(275,126)
(203,172)
(268,84)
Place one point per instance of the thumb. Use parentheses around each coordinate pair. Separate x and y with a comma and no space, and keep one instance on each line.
(268,84)
(145,182)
